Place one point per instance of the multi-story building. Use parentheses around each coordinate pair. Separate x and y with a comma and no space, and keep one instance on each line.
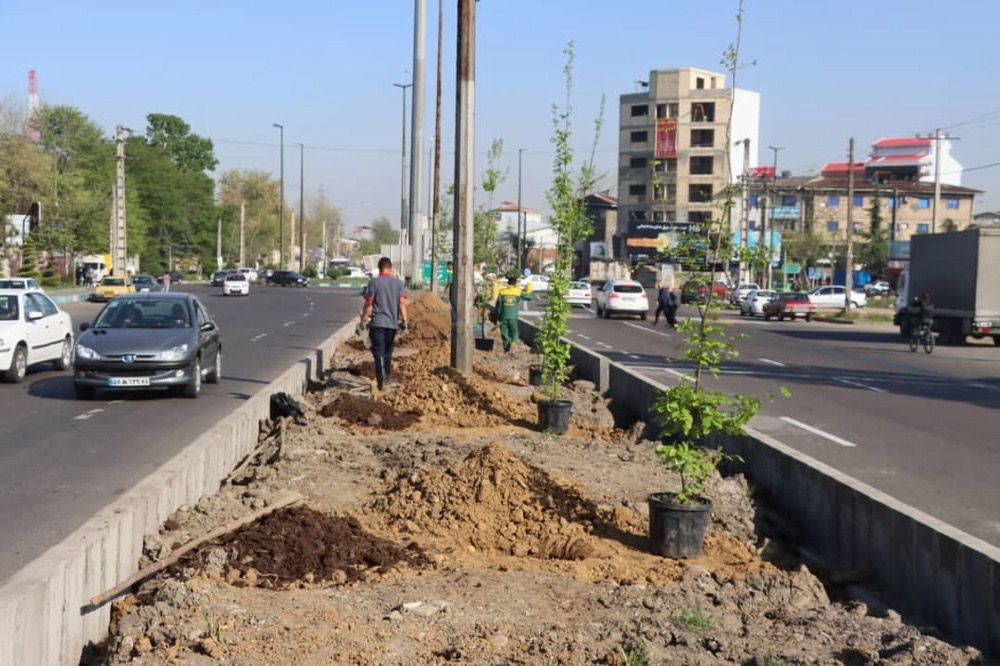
(672,146)
(506,217)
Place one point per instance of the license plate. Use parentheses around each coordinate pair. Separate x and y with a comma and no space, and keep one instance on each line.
(128,381)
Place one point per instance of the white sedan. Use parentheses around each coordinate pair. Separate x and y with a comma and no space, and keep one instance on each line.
(754,302)
(534,283)
(32,330)
(622,297)
(236,284)
(833,296)
(579,294)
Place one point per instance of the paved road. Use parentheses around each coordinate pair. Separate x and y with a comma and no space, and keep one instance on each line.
(924,429)
(62,460)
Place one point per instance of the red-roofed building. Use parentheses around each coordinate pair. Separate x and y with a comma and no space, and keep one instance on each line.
(911,159)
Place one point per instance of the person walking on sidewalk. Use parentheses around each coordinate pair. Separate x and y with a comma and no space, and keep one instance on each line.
(672,303)
(661,303)
(384,313)
(508,303)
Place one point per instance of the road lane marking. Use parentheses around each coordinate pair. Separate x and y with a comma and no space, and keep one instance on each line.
(583,337)
(86,415)
(777,363)
(679,374)
(845,380)
(817,431)
(288,323)
(605,345)
(647,329)
(633,356)
(255,339)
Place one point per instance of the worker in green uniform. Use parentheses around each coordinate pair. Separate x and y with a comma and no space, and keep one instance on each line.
(508,303)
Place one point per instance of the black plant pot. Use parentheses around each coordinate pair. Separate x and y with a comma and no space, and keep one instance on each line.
(535,375)
(677,530)
(553,415)
(485,344)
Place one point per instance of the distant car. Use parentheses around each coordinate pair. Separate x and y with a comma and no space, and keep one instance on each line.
(32,330)
(148,341)
(288,279)
(535,283)
(252,274)
(355,272)
(110,287)
(789,305)
(622,297)
(19,283)
(741,292)
(755,301)
(175,278)
(218,277)
(579,294)
(144,283)
(694,291)
(834,296)
(236,284)
(880,288)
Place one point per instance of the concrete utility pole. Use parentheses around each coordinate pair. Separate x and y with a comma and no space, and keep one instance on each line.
(937,180)
(281,202)
(402,178)
(291,238)
(302,207)
(770,227)
(520,250)
(243,221)
(119,237)
(849,264)
(417,147)
(436,193)
(218,245)
(463,288)
(745,205)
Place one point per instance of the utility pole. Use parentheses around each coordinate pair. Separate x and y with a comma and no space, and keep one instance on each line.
(745,205)
(119,237)
(218,245)
(291,238)
(302,207)
(520,251)
(462,285)
(281,202)
(417,138)
(937,180)
(849,263)
(243,221)
(436,194)
(770,229)
(402,177)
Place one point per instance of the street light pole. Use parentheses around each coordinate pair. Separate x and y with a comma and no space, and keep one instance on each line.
(281,202)
(520,251)
(770,227)
(302,207)
(402,183)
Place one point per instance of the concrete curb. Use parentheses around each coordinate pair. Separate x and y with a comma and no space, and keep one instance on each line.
(935,573)
(833,320)
(44,617)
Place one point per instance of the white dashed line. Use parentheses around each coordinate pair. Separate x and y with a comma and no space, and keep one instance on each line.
(679,374)
(633,356)
(777,363)
(647,329)
(849,382)
(288,323)
(255,339)
(583,337)
(86,415)
(817,431)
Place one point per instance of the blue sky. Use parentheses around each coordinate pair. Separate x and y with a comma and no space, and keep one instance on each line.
(826,71)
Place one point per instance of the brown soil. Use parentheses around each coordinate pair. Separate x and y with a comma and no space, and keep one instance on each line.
(362,411)
(471,538)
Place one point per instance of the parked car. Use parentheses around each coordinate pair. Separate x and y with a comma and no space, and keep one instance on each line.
(755,301)
(288,279)
(175,278)
(251,273)
(741,292)
(695,290)
(535,283)
(790,304)
(833,296)
(236,284)
(219,277)
(622,297)
(32,330)
(110,287)
(879,288)
(579,294)
(144,283)
(149,341)
(20,283)
(356,272)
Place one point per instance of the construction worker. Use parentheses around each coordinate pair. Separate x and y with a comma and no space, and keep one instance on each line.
(508,303)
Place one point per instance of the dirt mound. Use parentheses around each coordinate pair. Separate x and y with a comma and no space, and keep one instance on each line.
(431,320)
(363,411)
(494,501)
(299,543)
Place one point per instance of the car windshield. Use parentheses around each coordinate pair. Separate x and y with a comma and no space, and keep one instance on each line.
(144,313)
(8,308)
(578,285)
(113,282)
(236,277)
(12,284)
(142,279)
(627,289)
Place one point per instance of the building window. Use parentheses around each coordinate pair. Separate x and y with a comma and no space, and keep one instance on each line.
(923,228)
(859,200)
(833,201)
(640,110)
(666,166)
(703,112)
(639,136)
(638,162)
(788,200)
(637,190)
(701,193)
(753,225)
(700,166)
(637,215)
(674,108)
(659,216)
(924,202)
(699,216)
(952,204)
(702,138)
(833,225)
(661,110)
(753,200)
(699,83)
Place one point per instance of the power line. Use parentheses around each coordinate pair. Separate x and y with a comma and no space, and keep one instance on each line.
(988,116)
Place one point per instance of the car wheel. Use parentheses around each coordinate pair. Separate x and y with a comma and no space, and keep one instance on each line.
(65,355)
(83,392)
(809,317)
(643,316)
(215,374)
(193,388)
(18,366)
(767,316)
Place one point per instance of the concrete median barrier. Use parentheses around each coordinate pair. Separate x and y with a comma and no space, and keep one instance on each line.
(44,614)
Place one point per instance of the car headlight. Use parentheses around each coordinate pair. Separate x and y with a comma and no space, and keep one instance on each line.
(173,354)
(84,352)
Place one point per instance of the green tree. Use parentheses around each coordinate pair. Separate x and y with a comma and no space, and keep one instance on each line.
(805,247)
(29,258)
(383,233)
(875,253)
(188,151)
(260,194)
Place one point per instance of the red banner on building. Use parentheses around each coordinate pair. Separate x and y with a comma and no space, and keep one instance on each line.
(762,173)
(666,139)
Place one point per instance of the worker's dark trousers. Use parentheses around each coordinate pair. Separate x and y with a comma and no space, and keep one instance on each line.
(383,340)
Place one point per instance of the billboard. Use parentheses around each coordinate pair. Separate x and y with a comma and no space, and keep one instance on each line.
(666,139)
(647,240)
(754,237)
